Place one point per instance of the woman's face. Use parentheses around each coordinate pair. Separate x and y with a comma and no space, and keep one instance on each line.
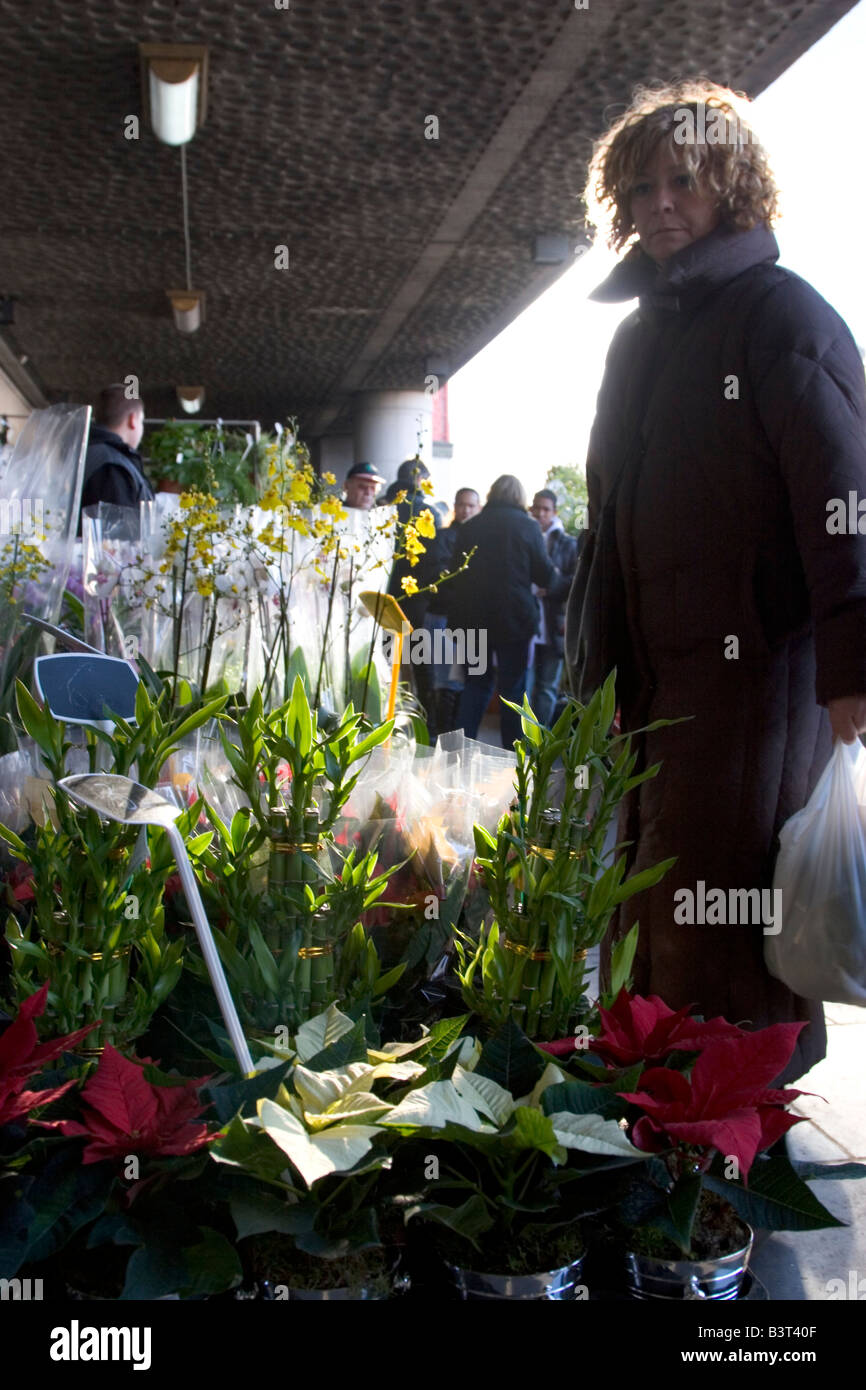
(666,208)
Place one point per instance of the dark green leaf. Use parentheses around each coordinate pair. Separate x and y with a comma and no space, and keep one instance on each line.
(776,1198)
(351,1047)
(509,1059)
(242,1095)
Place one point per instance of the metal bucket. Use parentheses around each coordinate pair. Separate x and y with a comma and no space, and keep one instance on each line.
(720,1278)
(556,1285)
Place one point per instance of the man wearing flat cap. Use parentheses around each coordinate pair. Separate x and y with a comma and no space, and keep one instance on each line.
(361,485)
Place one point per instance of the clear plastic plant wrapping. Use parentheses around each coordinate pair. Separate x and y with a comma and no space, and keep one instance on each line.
(40,488)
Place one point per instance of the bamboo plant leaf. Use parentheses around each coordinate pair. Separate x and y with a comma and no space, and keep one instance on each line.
(647,878)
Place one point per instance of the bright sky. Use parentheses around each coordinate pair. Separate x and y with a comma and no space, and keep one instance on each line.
(527,401)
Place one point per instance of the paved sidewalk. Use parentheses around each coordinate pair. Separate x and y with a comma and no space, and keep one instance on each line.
(803,1264)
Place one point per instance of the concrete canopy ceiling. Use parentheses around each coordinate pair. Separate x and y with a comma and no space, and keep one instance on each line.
(401,248)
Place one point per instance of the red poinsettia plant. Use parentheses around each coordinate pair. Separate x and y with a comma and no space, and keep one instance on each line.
(641,1030)
(726,1105)
(698,1097)
(123,1114)
(23,1056)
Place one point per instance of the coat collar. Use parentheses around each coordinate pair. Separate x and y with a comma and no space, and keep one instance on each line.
(99,434)
(691,273)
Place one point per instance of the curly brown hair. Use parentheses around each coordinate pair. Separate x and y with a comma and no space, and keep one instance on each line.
(736,171)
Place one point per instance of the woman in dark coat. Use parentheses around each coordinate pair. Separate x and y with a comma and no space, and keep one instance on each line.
(493,597)
(732,412)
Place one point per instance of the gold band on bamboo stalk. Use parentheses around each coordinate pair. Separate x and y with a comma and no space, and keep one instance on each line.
(299,847)
(89,1051)
(545,852)
(55,949)
(311,952)
(520,949)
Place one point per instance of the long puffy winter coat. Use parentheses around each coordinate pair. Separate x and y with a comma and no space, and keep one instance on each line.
(742,610)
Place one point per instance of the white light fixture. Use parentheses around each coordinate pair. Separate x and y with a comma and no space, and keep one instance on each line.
(188,309)
(191,398)
(174,89)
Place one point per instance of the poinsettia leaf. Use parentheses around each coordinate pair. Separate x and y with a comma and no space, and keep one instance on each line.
(361,1233)
(579,1098)
(350,1108)
(484,1095)
(114,1228)
(532,1130)
(119,1091)
(349,1047)
(776,1198)
(510,1060)
(319,1089)
(432,1107)
(259,1213)
(593,1134)
(335,1150)
(242,1096)
(212,1266)
(470,1220)
(319,1032)
(154,1271)
(65,1196)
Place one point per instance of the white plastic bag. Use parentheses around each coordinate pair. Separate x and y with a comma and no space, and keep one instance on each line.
(820,952)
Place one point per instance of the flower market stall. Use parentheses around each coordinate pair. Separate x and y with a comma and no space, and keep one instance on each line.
(429,1103)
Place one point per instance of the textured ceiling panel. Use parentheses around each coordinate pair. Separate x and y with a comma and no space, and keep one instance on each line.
(399,247)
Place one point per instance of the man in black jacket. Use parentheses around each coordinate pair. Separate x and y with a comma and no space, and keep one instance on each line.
(113,469)
(546,669)
(493,604)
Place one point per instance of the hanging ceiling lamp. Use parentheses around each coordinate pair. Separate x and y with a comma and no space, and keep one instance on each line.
(188,309)
(174,89)
(191,398)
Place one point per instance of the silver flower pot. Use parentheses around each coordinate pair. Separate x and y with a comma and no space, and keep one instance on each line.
(556,1285)
(720,1278)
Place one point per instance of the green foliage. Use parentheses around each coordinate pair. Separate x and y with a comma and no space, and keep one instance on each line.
(552,893)
(95,930)
(569,483)
(287,900)
(200,458)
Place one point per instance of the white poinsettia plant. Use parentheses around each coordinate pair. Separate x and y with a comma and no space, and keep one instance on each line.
(343,1112)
